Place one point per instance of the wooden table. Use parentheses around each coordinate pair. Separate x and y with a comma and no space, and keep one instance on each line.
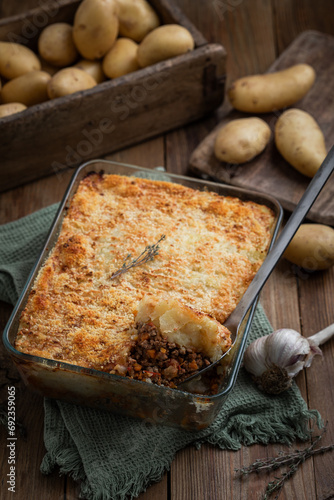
(254,33)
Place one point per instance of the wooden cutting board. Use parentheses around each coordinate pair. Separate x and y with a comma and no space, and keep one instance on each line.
(269,172)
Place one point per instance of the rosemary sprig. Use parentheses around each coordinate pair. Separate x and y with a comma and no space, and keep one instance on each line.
(290,460)
(146,256)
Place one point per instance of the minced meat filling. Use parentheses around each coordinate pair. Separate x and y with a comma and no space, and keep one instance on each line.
(165,363)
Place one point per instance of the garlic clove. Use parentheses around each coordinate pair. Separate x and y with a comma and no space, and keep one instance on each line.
(297,367)
(287,349)
(255,358)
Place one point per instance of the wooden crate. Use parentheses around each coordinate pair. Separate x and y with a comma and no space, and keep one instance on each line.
(62,133)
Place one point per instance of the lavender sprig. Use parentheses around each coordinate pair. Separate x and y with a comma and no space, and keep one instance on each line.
(146,256)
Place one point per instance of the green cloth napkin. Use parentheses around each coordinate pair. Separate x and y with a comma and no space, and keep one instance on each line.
(118,457)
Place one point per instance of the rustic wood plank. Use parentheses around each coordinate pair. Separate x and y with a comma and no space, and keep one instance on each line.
(24,200)
(181,143)
(237,25)
(253,486)
(316,302)
(291,18)
(149,154)
(40,486)
(157,490)
(211,473)
(269,172)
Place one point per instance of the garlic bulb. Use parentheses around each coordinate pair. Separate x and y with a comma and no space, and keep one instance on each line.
(275,359)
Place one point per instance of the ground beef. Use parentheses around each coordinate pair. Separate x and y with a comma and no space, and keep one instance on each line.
(164,363)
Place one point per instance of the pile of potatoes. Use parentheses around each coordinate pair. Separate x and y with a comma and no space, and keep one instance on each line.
(108,39)
(298,138)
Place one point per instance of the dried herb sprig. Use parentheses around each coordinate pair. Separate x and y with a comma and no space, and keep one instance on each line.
(146,256)
(290,460)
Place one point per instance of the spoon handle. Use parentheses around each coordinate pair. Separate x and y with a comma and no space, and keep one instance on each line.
(296,218)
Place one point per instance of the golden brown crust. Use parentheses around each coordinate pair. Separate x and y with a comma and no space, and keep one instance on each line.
(213,247)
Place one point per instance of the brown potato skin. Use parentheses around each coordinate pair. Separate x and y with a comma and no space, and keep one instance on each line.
(11,108)
(69,80)
(136,19)
(95,27)
(121,59)
(56,45)
(93,68)
(271,91)
(28,89)
(17,60)
(312,247)
(164,42)
(239,141)
(300,141)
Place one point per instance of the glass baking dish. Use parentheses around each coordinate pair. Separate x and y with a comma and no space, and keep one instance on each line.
(190,408)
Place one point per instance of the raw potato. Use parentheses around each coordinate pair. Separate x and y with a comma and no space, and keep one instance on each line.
(272,91)
(121,58)
(164,42)
(95,27)
(241,140)
(16,60)
(29,89)
(69,80)
(300,141)
(93,68)
(56,45)
(312,247)
(11,108)
(136,19)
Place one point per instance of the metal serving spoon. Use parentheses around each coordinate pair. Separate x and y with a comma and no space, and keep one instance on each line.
(296,218)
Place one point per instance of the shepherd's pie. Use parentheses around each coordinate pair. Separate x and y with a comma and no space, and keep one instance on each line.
(159,320)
